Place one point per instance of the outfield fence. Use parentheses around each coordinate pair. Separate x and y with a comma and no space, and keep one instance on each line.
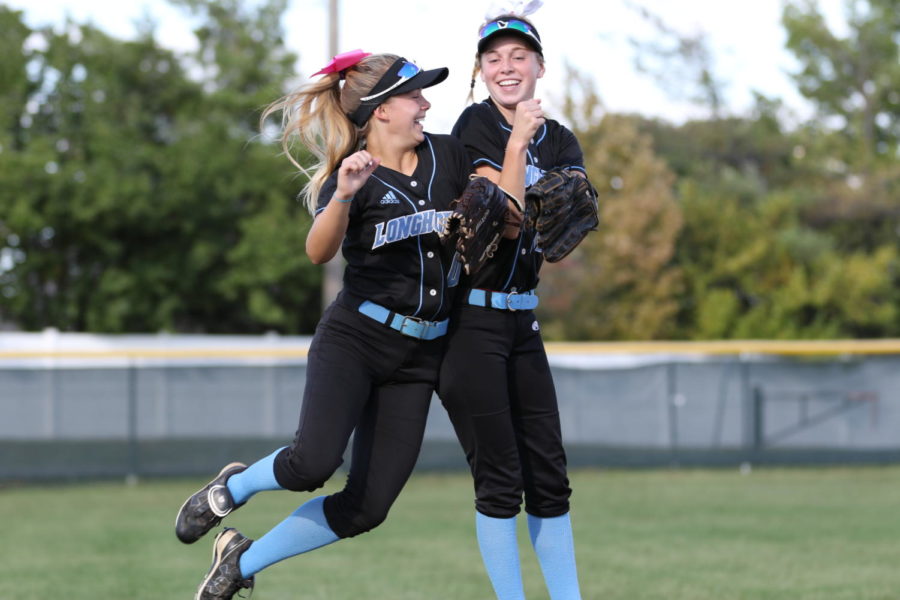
(78,406)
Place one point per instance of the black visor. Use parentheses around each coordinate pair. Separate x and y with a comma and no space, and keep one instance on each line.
(402,76)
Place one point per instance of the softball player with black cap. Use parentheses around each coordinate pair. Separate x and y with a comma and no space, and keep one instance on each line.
(381,192)
(495,380)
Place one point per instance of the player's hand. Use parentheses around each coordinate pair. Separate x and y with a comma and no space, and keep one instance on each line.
(353,173)
(528,119)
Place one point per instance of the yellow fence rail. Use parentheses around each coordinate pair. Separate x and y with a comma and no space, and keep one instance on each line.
(300,351)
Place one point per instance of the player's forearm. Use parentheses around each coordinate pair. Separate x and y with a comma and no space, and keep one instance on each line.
(327,232)
(512,177)
(512,180)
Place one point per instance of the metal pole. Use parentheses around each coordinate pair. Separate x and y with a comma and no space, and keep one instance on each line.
(334,269)
(332,27)
(269,394)
(51,403)
(748,407)
(674,403)
(759,416)
(133,451)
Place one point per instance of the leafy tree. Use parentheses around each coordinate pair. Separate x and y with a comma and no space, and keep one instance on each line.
(619,283)
(755,270)
(15,88)
(770,218)
(782,233)
(757,145)
(682,64)
(854,81)
(134,192)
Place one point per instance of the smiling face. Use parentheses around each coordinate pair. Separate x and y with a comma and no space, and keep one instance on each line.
(404,113)
(510,70)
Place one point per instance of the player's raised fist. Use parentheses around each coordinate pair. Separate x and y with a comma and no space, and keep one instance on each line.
(353,173)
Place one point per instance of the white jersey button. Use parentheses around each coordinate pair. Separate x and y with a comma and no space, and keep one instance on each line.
(413,183)
(421,203)
(433,292)
(524,251)
(431,255)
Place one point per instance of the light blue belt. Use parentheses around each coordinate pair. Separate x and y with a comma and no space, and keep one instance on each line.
(411,326)
(503,301)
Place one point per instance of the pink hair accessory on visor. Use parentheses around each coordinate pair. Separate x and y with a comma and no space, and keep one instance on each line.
(342,61)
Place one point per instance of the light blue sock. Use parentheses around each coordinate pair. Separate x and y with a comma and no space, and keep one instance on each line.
(555,549)
(306,529)
(258,477)
(500,553)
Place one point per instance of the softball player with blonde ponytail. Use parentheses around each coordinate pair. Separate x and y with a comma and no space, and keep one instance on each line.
(380,193)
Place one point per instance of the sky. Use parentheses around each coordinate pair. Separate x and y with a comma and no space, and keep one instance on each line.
(745,36)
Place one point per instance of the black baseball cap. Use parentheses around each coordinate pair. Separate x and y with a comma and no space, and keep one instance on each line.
(401,77)
(509,25)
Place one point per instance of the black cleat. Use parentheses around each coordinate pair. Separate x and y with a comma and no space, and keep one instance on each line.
(223,580)
(206,508)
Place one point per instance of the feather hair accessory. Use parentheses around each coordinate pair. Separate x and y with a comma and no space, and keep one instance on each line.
(522,8)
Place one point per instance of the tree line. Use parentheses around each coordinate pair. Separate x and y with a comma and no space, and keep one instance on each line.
(137,193)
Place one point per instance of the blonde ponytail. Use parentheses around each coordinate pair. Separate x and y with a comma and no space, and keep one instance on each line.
(316,115)
(475,72)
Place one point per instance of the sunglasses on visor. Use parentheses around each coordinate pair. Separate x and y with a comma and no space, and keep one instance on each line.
(406,72)
(514,24)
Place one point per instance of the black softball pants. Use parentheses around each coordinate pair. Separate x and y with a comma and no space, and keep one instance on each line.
(496,385)
(365,377)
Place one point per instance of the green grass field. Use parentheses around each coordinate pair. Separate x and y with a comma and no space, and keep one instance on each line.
(827,534)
